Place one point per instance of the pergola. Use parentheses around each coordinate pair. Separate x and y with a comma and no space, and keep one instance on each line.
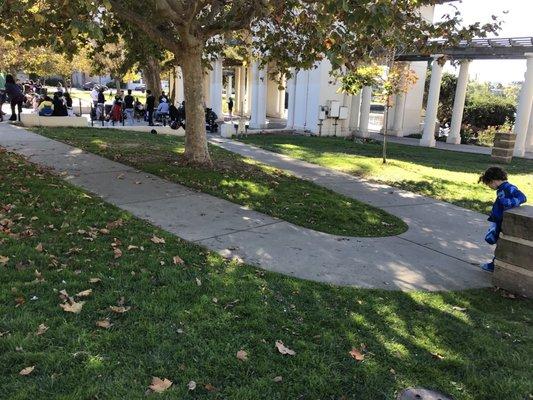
(465,52)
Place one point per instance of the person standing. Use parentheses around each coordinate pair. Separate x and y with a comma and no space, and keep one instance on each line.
(150,105)
(16,97)
(230,106)
(94,96)
(129,107)
(100,105)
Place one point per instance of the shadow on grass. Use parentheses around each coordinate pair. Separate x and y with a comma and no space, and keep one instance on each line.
(182,330)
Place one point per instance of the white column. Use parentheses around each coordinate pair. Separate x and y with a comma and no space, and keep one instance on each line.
(354,112)
(428,136)
(237,100)
(459,104)
(523,111)
(259,92)
(291,87)
(366,98)
(215,92)
(529,138)
(399,114)
(249,95)
(180,94)
(229,87)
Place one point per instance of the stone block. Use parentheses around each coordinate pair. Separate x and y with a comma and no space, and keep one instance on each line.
(518,222)
(227,130)
(514,252)
(504,144)
(513,279)
(502,152)
(509,136)
(502,160)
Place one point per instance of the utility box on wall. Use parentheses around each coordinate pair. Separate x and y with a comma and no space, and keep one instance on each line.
(343,112)
(334,108)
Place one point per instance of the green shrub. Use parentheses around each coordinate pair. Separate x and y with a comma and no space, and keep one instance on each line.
(483,112)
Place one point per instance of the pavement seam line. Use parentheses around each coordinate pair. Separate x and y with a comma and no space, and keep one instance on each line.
(236,231)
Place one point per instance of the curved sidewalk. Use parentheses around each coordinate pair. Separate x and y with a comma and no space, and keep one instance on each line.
(436,253)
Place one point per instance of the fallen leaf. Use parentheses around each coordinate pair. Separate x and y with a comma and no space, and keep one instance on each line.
(73,308)
(39,248)
(104,323)
(157,240)
(437,356)
(192,385)
(283,349)
(160,385)
(277,379)
(242,355)
(198,282)
(357,355)
(27,370)
(4,260)
(41,329)
(115,224)
(94,280)
(119,309)
(117,253)
(210,388)
(131,247)
(104,231)
(177,260)
(458,308)
(121,176)
(85,293)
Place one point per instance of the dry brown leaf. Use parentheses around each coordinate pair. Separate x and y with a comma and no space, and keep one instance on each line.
(115,224)
(177,260)
(131,247)
(73,308)
(456,308)
(356,354)
(41,329)
(27,370)
(277,379)
(94,280)
(117,252)
(159,385)
(104,323)
(437,356)
(3,260)
(192,385)
(157,240)
(104,231)
(242,355)
(283,349)
(38,276)
(119,309)
(198,282)
(39,248)
(210,388)
(85,293)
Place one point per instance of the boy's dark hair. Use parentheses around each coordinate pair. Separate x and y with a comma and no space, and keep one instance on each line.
(493,174)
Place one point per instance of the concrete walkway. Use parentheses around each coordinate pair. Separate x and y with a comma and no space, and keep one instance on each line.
(437,253)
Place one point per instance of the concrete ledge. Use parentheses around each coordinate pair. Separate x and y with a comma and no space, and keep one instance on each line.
(496,152)
(161,130)
(504,144)
(514,252)
(37,120)
(518,223)
(513,279)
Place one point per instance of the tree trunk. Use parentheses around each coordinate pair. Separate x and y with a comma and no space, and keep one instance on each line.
(196,151)
(152,75)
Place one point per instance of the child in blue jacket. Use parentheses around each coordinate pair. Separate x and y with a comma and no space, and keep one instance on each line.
(507,196)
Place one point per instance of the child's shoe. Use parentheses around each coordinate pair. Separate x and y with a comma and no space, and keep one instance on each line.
(489,267)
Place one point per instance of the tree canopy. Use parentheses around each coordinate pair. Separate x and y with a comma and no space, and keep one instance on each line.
(284,34)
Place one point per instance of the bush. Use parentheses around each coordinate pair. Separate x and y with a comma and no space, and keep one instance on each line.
(53,81)
(483,112)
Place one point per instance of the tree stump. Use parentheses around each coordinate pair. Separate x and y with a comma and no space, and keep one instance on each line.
(514,252)
(502,151)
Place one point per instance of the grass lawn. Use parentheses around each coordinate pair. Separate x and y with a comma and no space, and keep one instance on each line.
(237,179)
(444,175)
(186,322)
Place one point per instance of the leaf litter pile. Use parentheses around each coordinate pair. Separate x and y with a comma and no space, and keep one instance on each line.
(97,304)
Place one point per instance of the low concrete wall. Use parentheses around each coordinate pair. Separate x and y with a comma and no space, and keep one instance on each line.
(37,120)
(161,130)
(514,252)
(502,152)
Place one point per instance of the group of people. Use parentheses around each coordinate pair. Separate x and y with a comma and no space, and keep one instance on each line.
(33,95)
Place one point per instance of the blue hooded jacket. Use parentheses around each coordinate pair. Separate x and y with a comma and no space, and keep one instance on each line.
(507,196)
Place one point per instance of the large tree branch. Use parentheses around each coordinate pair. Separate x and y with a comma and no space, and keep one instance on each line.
(152,31)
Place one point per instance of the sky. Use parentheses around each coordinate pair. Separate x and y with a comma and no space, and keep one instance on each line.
(517,22)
